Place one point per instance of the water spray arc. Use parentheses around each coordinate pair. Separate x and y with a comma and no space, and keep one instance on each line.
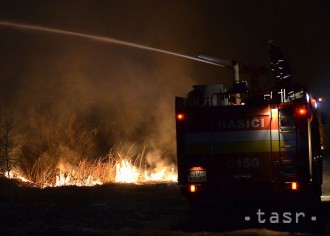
(118,167)
(100,39)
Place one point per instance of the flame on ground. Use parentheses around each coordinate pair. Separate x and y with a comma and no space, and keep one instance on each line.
(68,180)
(126,172)
(14,174)
(121,171)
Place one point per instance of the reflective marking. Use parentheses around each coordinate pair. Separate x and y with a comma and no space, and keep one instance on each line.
(325,198)
(233,147)
(231,136)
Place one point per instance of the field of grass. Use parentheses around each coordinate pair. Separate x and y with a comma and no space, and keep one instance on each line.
(120,209)
(97,209)
(129,209)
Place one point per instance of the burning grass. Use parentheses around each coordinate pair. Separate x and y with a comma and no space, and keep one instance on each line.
(54,152)
(117,167)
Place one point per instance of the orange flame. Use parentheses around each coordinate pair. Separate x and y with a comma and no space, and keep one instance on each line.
(123,170)
(14,174)
(67,180)
(126,172)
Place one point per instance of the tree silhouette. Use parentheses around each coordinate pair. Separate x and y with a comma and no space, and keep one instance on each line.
(7,144)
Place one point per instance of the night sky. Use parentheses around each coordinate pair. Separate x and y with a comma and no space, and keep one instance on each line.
(132,90)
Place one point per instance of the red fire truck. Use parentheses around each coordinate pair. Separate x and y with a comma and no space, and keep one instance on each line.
(234,143)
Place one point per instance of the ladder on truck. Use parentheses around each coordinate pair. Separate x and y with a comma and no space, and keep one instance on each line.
(287,142)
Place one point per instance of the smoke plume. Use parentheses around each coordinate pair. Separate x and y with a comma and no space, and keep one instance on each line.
(74,99)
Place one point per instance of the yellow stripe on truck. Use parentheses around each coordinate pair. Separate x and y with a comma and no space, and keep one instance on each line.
(231,136)
(232,147)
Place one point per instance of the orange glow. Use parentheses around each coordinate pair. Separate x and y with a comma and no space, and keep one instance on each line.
(180,116)
(126,172)
(90,174)
(193,188)
(302,111)
(14,174)
(196,168)
(294,186)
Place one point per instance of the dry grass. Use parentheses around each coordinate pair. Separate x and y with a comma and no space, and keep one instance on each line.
(102,170)
(53,152)
(46,172)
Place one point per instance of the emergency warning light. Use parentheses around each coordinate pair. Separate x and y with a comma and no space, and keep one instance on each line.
(180,116)
(193,188)
(293,186)
(302,111)
(196,168)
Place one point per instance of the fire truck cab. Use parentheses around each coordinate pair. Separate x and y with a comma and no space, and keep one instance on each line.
(232,143)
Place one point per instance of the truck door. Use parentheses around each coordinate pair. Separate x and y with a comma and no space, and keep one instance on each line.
(242,142)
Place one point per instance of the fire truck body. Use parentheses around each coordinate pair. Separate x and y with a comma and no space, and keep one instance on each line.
(269,143)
